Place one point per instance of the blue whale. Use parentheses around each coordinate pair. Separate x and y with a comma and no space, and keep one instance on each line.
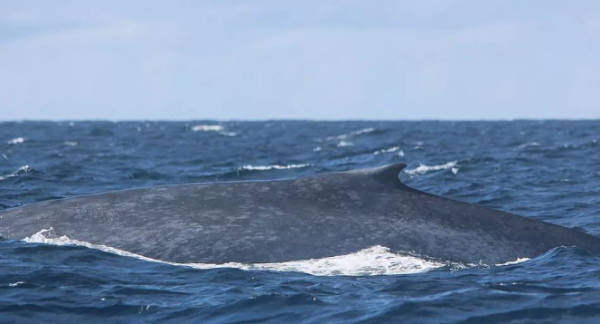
(282,220)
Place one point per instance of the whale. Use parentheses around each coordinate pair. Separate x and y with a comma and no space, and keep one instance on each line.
(292,219)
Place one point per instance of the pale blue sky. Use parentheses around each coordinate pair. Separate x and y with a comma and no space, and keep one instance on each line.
(309,59)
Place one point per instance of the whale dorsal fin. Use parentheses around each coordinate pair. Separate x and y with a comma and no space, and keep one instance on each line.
(388,174)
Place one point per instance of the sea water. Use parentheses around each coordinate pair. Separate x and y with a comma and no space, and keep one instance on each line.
(546,170)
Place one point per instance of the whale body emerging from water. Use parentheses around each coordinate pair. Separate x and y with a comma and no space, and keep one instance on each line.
(283,220)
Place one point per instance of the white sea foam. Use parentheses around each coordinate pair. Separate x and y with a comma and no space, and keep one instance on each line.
(345,144)
(213,128)
(390,150)
(70,143)
(23,169)
(17,140)
(207,128)
(532,144)
(519,260)
(273,167)
(16,284)
(422,169)
(351,134)
(376,260)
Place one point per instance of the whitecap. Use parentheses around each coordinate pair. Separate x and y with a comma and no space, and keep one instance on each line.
(390,150)
(17,140)
(345,144)
(228,134)
(70,143)
(273,167)
(317,149)
(518,260)
(532,144)
(207,128)
(422,169)
(375,260)
(23,169)
(352,134)
(16,284)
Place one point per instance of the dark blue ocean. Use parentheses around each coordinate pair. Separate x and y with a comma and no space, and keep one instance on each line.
(547,170)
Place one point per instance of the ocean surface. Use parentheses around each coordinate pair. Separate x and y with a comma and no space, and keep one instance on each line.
(546,170)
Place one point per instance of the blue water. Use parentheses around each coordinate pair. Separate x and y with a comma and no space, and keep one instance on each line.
(547,170)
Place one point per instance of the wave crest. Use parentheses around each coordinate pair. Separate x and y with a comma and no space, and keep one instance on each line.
(207,128)
(422,169)
(21,170)
(17,140)
(273,167)
(351,134)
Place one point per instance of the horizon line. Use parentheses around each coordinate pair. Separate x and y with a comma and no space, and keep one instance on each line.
(177,120)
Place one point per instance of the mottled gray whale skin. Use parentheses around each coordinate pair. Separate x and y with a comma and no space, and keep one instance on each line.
(282,220)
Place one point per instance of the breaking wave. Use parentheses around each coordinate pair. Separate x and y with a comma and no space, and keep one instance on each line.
(532,144)
(17,140)
(390,150)
(273,167)
(21,170)
(213,128)
(207,128)
(422,169)
(351,134)
(345,144)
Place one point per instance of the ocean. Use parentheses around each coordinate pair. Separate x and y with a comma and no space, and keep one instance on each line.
(546,170)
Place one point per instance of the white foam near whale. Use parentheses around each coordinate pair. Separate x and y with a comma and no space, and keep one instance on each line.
(372,261)
(422,168)
(376,260)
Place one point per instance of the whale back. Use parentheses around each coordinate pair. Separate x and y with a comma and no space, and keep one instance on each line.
(283,220)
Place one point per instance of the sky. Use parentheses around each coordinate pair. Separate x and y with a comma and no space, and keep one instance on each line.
(309,59)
